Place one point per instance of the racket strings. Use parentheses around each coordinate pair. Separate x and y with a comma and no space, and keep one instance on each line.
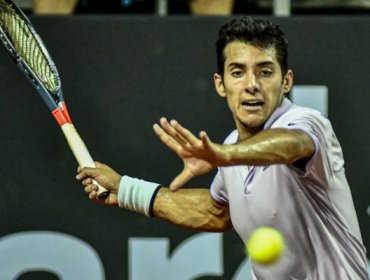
(27,46)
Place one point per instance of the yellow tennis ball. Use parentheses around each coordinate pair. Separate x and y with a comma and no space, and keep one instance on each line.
(265,245)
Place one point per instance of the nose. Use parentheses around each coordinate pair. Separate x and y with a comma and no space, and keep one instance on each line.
(251,83)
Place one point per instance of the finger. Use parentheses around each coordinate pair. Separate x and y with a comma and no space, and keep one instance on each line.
(81,176)
(172,132)
(170,142)
(165,138)
(87,181)
(180,180)
(93,195)
(91,188)
(87,172)
(184,133)
(205,139)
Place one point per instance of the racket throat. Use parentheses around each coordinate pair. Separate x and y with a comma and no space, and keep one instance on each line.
(62,117)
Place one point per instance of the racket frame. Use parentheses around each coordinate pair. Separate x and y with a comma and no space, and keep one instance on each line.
(53,99)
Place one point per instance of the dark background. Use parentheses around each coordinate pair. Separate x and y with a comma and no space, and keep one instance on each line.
(120,75)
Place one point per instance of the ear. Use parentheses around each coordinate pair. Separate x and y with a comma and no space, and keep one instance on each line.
(288,81)
(219,85)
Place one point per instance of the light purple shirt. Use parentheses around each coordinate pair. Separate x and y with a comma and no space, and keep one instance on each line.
(312,207)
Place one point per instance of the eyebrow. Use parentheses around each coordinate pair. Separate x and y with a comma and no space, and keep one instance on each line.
(242,65)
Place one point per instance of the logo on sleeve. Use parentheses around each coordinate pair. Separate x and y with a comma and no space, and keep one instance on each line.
(265,167)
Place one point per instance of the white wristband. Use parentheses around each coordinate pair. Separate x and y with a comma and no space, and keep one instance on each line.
(137,195)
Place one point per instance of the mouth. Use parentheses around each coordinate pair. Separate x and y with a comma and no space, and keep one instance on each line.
(252,104)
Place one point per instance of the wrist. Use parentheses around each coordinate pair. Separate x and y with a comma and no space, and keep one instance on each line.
(137,195)
(228,157)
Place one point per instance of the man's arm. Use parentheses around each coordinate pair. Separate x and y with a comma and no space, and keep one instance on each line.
(189,208)
(192,208)
(271,146)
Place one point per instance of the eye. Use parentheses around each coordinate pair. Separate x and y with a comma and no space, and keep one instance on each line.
(265,73)
(237,73)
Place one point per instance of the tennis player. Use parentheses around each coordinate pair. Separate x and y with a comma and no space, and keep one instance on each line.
(282,167)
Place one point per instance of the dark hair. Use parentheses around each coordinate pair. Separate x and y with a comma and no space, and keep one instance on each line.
(258,32)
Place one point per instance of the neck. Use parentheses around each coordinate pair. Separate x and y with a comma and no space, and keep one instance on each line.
(246,132)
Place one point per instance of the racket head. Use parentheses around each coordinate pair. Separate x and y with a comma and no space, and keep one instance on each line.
(27,49)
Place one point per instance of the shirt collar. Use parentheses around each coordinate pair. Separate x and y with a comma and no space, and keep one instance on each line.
(283,108)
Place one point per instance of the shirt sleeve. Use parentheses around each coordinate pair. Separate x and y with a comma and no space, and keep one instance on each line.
(218,190)
(328,157)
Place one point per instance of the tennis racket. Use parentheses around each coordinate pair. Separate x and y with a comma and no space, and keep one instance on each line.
(29,53)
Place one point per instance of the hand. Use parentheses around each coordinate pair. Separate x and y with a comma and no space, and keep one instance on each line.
(105,176)
(199,155)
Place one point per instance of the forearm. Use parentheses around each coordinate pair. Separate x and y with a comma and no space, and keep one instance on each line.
(272,146)
(189,208)
(192,208)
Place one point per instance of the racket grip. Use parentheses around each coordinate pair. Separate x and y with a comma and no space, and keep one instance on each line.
(81,153)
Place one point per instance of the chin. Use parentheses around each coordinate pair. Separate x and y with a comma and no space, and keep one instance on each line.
(253,121)
(253,125)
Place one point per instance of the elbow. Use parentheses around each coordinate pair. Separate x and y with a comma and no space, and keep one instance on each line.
(221,224)
(219,217)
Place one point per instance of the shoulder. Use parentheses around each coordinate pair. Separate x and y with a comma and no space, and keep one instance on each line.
(299,114)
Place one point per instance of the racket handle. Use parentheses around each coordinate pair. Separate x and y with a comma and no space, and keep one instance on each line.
(81,154)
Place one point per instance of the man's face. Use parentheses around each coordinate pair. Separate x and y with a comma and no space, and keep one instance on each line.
(253,85)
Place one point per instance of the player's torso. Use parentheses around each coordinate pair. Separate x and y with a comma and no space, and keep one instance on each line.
(275,196)
(264,196)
